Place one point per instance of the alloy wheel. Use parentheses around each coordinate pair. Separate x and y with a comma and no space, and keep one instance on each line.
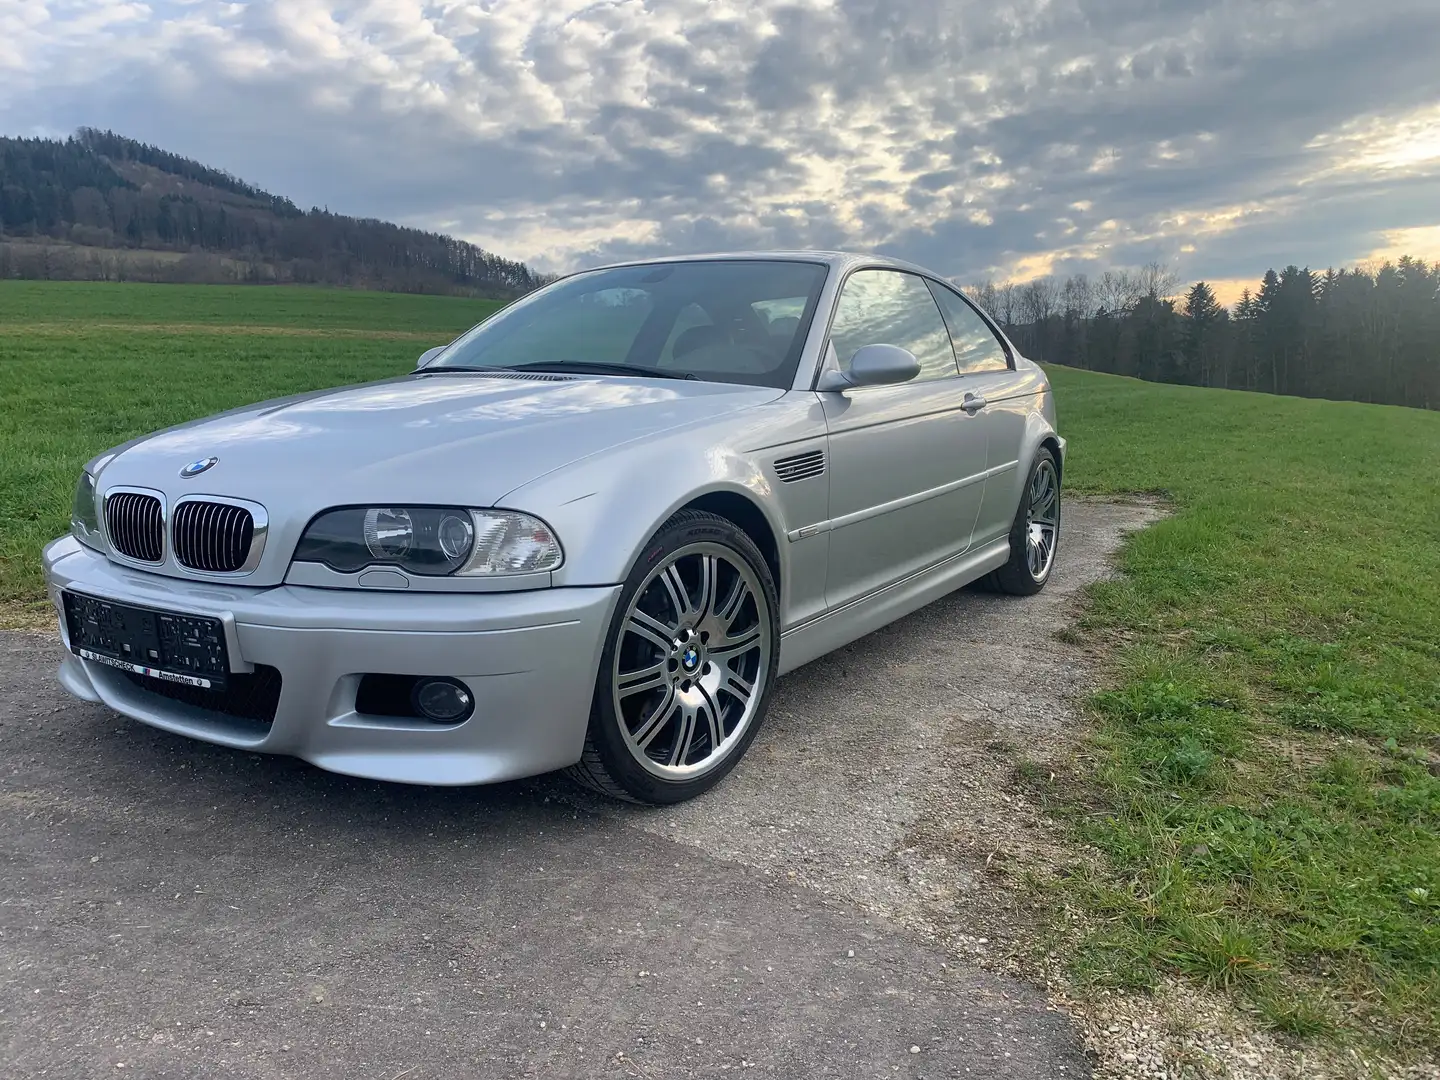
(691,661)
(1042,520)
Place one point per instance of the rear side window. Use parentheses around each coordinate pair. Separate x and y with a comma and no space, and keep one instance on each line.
(976,346)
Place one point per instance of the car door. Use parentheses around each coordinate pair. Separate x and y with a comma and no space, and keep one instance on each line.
(988,373)
(907,462)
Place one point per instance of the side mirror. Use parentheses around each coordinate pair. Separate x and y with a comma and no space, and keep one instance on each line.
(428,355)
(873,365)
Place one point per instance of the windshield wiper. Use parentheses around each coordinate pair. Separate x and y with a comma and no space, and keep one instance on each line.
(596,367)
(432,369)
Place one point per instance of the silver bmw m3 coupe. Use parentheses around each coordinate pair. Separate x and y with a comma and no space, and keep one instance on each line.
(588,534)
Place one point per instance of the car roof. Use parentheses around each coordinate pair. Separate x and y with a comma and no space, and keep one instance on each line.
(840,260)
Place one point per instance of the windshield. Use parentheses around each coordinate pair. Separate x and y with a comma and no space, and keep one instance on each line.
(737,321)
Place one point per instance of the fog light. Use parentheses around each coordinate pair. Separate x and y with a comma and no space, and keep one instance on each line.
(443,701)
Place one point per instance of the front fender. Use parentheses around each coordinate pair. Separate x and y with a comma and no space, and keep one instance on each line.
(605,511)
(606,508)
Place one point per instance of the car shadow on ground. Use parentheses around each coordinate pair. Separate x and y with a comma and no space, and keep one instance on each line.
(160,771)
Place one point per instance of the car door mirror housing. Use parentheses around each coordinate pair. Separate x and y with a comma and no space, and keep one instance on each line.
(428,355)
(873,365)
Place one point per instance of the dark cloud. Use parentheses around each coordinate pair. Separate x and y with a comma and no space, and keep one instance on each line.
(1213,135)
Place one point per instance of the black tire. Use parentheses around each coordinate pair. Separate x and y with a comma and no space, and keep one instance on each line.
(608,766)
(1016,576)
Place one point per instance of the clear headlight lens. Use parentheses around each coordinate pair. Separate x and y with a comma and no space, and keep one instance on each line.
(431,540)
(456,535)
(85,515)
(389,533)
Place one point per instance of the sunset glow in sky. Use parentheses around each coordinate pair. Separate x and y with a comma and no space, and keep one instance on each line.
(983,139)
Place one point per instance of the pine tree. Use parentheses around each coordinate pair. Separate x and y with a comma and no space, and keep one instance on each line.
(1202,312)
(1245,362)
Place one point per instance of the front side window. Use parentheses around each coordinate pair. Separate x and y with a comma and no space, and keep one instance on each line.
(976,346)
(889,307)
(734,320)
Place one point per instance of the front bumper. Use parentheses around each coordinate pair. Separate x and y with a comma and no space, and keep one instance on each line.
(529,658)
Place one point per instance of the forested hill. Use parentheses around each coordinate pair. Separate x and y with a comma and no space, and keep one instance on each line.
(98,206)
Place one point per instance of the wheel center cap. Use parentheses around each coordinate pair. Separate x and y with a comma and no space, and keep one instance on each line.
(690,658)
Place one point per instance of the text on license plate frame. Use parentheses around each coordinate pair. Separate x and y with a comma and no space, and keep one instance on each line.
(171,646)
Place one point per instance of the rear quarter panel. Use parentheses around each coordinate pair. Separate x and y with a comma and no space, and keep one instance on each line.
(1021,415)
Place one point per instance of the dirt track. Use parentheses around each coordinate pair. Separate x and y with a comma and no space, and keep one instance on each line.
(187,910)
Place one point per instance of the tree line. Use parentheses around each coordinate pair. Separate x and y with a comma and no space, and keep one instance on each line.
(65,204)
(1358,334)
(98,206)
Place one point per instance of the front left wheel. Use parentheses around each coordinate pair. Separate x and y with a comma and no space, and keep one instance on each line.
(688,664)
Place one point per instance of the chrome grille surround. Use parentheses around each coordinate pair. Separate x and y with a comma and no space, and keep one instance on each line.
(216,535)
(135,524)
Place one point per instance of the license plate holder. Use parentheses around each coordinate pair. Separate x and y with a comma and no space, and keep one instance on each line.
(165,645)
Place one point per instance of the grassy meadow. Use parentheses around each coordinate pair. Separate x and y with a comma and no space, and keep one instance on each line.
(1263,774)
(86,366)
(1265,778)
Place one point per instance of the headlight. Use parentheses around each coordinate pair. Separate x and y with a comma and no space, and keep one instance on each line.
(431,540)
(84,516)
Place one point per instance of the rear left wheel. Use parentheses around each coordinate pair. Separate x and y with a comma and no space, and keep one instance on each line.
(1035,534)
(688,664)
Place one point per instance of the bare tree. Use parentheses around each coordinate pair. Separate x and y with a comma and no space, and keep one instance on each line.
(986,295)
(1156,281)
(1078,297)
(1007,303)
(1038,300)
(1117,291)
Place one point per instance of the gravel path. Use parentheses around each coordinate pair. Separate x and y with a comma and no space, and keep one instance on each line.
(183,910)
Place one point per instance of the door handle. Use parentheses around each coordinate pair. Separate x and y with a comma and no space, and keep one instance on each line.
(973,404)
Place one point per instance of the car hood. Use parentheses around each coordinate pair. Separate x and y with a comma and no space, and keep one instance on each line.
(452,439)
(456,438)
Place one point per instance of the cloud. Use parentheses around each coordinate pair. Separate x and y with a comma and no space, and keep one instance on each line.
(1008,139)
(1421,243)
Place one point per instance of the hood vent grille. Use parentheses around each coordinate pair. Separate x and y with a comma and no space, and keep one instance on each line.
(525,376)
(800,466)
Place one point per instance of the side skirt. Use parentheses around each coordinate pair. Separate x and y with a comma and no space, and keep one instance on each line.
(825,633)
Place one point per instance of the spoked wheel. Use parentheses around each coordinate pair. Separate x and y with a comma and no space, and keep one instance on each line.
(693,646)
(1036,533)
(686,672)
(1042,524)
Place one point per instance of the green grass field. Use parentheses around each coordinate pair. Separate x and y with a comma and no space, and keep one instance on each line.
(1263,779)
(1267,779)
(86,366)
(73,305)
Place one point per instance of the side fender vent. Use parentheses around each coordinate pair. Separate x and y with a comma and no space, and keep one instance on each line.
(800,466)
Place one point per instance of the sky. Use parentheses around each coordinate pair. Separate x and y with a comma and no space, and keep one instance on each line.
(982,139)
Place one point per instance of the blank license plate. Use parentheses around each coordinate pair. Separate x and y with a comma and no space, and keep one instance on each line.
(187,649)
